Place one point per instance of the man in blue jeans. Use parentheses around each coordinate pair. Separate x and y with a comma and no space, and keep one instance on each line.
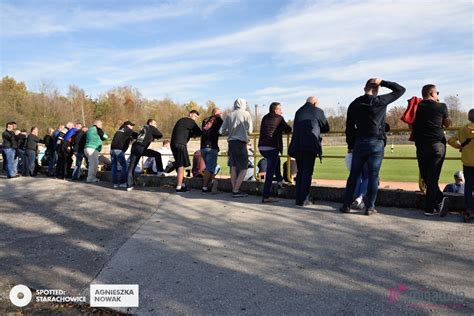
(210,149)
(365,133)
(9,143)
(119,146)
(270,144)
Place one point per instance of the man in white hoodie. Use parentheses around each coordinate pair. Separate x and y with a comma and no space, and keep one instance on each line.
(237,126)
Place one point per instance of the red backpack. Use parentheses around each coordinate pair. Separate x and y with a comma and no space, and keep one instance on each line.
(410,114)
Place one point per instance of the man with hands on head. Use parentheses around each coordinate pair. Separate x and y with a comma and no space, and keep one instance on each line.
(365,129)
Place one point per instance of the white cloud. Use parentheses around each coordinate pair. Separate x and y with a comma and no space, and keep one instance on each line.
(330,30)
(47,20)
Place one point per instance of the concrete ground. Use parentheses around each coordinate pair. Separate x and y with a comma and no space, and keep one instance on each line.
(195,254)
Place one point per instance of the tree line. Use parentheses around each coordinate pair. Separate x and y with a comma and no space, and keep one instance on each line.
(48,108)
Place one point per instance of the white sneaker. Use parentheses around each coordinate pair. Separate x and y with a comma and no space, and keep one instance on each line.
(116,186)
(93,180)
(160,174)
(129,188)
(123,185)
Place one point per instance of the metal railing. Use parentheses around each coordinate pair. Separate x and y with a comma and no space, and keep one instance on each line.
(254,138)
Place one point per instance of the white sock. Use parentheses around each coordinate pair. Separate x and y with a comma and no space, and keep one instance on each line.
(178,187)
(359,199)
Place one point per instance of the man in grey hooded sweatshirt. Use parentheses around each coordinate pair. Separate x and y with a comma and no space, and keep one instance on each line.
(237,126)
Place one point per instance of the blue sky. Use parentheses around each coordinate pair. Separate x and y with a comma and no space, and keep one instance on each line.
(261,50)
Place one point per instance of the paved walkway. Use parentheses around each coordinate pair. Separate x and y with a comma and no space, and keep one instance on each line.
(217,255)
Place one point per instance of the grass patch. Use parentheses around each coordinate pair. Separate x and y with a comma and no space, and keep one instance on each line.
(392,170)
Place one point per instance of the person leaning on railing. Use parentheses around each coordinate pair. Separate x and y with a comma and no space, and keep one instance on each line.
(270,144)
(464,141)
(430,142)
(237,126)
(305,145)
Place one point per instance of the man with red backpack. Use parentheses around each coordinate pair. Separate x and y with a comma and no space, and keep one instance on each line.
(430,141)
(210,148)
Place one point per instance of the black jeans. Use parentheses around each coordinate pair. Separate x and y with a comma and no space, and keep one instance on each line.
(469,177)
(137,152)
(430,161)
(61,164)
(305,164)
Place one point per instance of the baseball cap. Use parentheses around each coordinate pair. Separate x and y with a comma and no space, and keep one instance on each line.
(459,174)
(128,123)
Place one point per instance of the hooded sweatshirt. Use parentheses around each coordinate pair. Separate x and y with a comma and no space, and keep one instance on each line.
(467,151)
(238,124)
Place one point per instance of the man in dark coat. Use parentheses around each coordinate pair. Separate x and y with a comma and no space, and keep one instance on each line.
(305,145)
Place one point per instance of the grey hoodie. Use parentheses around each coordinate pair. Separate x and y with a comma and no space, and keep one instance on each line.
(238,124)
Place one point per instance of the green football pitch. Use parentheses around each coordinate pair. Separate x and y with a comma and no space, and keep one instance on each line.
(405,170)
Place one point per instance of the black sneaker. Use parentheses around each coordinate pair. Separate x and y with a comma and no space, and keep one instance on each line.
(443,207)
(370,211)
(182,190)
(206,191)
(345,209)
(239,194)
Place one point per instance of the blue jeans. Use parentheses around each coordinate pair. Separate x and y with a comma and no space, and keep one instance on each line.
(273,168)
(53,158)
(77,170)
(366,151)
(22,162)
(118,157)
(209,156)
(10,160)
(31,158)
(362,182)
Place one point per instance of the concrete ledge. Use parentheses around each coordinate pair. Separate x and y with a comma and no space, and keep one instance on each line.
(385,197)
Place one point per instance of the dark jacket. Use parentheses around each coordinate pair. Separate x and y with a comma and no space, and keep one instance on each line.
(366,114)
(146,135)
(271,130)
(48,142)
(32,142)
(80,142)
(184,129)
(122,138)
(9,140)
(20,141)
(210,132)
(428,125)
(308,125)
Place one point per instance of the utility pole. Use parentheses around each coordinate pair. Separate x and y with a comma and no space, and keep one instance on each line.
(256,117)
(82,110)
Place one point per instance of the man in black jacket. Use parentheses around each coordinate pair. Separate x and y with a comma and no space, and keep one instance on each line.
(270,144)
(146,135)
(31,148)
(365,132)
(305,145)
(122,138)
(22,163)
(183,130)
(8,145)
(210,148)
(431,117)
(78,148)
